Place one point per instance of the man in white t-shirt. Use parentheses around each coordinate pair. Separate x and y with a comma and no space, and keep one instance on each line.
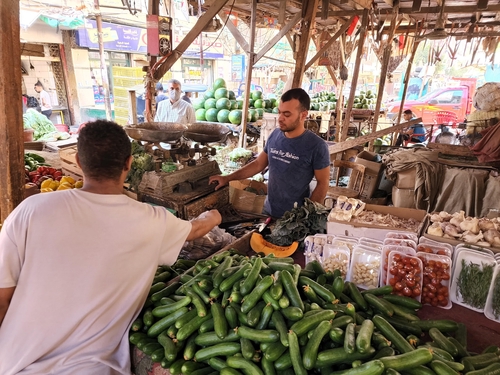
(45,103)
(174,109)
(76,265)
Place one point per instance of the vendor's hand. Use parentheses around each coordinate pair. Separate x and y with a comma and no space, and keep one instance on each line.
(219,180)
(213,215)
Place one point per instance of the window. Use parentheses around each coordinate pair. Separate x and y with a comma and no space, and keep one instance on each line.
(450,97)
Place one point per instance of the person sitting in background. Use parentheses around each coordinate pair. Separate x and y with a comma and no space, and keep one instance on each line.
(86,293)
(45,103)
(174,109)
(187,97)
(415,133)
(160,95)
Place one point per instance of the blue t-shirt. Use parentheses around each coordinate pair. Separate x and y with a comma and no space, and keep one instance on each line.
(292,162)
(418,131)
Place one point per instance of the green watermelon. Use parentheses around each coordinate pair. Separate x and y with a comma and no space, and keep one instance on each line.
(223,103)
(231,94)
(267,104)
(259,103)
(260,112)
(211,114)
(198,103)
(208,94)
(210,103)
(273,102)
(221,93)
(234,104)
(275,110)
(251,103)
(223,115)
(240,104)
(253,115)
(235,116)
(218,83)
(256,94)
(200,114)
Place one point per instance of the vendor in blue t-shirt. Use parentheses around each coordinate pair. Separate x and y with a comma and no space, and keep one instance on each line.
(415,133)
(294,156)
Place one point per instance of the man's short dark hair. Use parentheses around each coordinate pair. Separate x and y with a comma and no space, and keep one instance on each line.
(300,95)
(103,148)
(408,112)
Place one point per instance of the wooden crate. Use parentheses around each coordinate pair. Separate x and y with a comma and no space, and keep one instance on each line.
(68,154)
(68,163)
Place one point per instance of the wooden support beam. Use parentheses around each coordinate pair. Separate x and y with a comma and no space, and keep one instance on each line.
(277,37)
(240,39)
(11,111)
(383,73)
(342,146)
(190,37)
(306,28)
(417,5)
(355,75)
(329,68)
(248,76)
(282,12)
(452,9)
(324,9)
(457,150)
(341,31)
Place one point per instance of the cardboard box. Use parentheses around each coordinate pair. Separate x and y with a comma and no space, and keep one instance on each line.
(404,198)
(247,201)
(375,231)
(373,173)
(406,179)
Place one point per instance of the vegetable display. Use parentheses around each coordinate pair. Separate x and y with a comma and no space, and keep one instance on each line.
(474,282)
(234,314)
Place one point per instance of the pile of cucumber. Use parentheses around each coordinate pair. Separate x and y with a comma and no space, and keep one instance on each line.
(232,314)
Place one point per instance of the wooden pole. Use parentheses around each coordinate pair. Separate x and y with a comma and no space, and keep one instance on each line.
(149,89)
(308,14)
(405,83)
(104,69)
(11,111)
(355,76)
(248,78)
(383,73)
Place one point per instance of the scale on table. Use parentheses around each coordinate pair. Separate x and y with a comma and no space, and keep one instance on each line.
(186,189)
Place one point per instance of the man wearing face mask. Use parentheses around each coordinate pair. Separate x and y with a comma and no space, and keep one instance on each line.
(174,109)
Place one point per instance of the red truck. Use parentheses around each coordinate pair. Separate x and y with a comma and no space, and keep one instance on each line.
(456,99)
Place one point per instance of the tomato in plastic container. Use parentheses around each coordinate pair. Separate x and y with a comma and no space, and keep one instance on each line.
(402,236)
(400,242)
(427,241)
(385,259)
(405,275)
(436,279)
(434,249)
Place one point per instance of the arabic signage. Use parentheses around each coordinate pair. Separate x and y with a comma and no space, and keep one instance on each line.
(212,47)
(115,37)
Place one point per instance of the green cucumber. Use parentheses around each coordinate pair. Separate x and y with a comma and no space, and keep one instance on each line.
(256,294)
(350,338)
(276,290)
(185,318)
(363,340)
(291,290)
(224,349)
(270,300)
(292,313)
(251,279)
(254,314)
(391,333)
(196,300)
(247,348)
(164,310)
(356,295)
(267,366)
(211,338)
(408,360)
(186,330)
(231,316)
(404,301)
(165,292)
(320,290)
(312,346)
(444,325)
(188,367)
(296,357)
(248,367)
(280,326)
(207,326)
(380,304)
(228,283)
(443,342)
(217,363)
(220,322)
(190,348)
(265,317)
(342,321)
(163,324)
(306,324)
(493,369)
(375,367)
(441,368)
(264,335)
(339,356)
(284,362)
(481,361)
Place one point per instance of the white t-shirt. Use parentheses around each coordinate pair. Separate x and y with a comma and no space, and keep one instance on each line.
(82,264)
(181,112)
(45,97)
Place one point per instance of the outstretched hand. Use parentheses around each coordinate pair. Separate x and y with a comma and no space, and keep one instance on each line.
(220,181)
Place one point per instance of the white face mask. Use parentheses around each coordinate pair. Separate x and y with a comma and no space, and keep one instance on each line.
(174,95)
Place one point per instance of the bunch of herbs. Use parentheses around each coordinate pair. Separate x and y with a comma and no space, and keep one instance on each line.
(473,283)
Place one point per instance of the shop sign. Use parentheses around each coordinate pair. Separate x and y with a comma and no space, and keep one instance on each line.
(115,37)
(212,47)
(237,67)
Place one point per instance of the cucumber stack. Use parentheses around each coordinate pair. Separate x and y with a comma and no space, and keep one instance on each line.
(233,314)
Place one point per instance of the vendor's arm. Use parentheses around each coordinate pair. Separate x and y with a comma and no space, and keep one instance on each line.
(5,297)
(190,115)
(322,182)
(204,224)
(249,170)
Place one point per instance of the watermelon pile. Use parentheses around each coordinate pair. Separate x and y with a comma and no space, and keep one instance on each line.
(218,104)
(327,101)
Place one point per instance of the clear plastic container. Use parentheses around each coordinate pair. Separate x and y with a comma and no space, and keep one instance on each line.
(368,242)
(402,236)
(428,241)
(492,307)
(336,258)
(400,242)
(436,279)
(470,257)
(364,270)
(313,248)
(474,249)
(385,259)
(434,249)
(405,274)
(350,243)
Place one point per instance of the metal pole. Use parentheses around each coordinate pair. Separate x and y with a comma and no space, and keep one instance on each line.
(104,71)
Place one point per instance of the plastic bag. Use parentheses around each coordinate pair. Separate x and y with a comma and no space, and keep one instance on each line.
(203,247)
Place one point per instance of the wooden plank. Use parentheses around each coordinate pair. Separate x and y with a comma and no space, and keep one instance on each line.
(282,12)
(342,146)
(132,107)
(324,9)
(417,5)
(234,31)
(306,28)
(455,9)
(355,75)
(482,4)
(457,150)
(341,31)
(190,37)
(277,37)
(11,114)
